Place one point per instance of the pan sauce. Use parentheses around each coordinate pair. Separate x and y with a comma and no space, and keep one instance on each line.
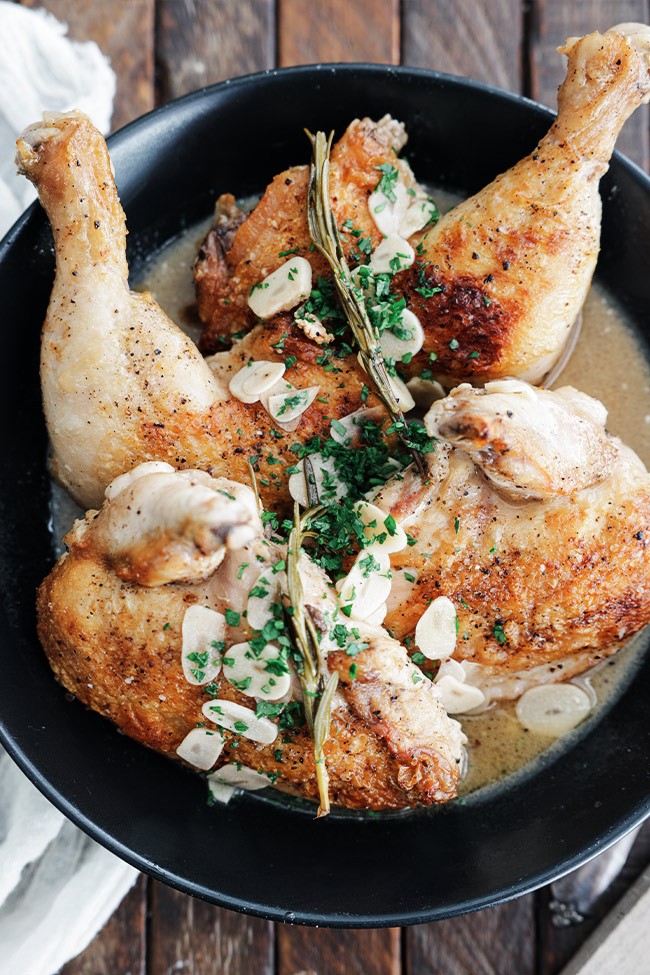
(609,362)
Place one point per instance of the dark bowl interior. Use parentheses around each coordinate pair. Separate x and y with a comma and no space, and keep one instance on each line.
(258,855)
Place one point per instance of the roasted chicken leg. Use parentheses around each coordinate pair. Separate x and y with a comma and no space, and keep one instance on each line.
(502,277)
(535,523)
(117,644)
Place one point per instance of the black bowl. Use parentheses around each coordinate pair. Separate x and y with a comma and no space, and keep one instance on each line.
(260,854)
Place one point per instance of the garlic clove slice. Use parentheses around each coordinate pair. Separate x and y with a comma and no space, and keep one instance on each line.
(281,290)
(201,747)
(202,632)
(328,485)
(378,617)
(265,676)
(552,709)
(254,379)
(392,255)
(457,698)
(237,776)
(241,720)
(389,214)
(409,343)
(425,392)
(380,529)
(366,586)
(404,399)
(261,597)
(451,668)
(435,633)
(290,405)
(416,217)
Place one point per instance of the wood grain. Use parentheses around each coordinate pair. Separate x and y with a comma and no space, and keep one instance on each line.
(555,20)
(313,951)
(190,937)
(479,39)
(120,946)
(199,43)
(559,943)
(124,32)
(496,941)
(338,30)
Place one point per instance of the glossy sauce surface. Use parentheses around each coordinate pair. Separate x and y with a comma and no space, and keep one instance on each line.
(609,362)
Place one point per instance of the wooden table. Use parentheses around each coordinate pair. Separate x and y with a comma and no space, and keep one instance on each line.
(161,49)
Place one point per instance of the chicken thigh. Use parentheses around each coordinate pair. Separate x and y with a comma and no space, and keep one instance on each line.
(535,523)
(121,382)
(500,279)
(116,636)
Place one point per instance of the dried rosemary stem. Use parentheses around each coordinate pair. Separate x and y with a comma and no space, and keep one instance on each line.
(318,688)
(325,235)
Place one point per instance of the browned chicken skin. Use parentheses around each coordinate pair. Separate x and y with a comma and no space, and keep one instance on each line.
(500,279)
(117,646)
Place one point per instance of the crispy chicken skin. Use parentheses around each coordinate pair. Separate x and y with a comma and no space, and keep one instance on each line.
(121,382)
(536,582)
(278,224)
(116,645)
(507,271)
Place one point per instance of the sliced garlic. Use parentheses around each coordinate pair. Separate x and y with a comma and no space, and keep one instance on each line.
(366,586)
(458,698)
(392,255)
(219,791)
(389,214)
(404,399)
(378,617)
(261,676)
(417,216)
(243,721)
(226,779)
(258,607)
(364,278)
(327,484)
(394,347)
(281,290)
(290,405)
(202,628)
(201,747)
(389,538)
(425,392)
(254,379)
(123,481)
(435,633)
(511,386)
(553,709)
(451,668)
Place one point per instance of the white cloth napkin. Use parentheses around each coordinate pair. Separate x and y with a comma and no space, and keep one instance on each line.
(57,886)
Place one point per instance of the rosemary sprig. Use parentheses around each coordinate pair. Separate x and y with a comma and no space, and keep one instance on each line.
(325,235)
(317,687)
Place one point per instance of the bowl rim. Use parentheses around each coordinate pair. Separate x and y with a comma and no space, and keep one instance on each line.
(524,885)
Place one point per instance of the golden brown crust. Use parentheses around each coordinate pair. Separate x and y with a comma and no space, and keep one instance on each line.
(116,647)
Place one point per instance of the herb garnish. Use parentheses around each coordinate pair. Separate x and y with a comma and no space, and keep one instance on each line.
(325,235)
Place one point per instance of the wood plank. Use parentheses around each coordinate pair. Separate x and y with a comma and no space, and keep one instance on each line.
(199,44)
(479,39)
(189,936)
(311,951)
(121,944)
(555,20)
(337,30)
(124,32)
(558,943)
(621,943)
(497,941)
